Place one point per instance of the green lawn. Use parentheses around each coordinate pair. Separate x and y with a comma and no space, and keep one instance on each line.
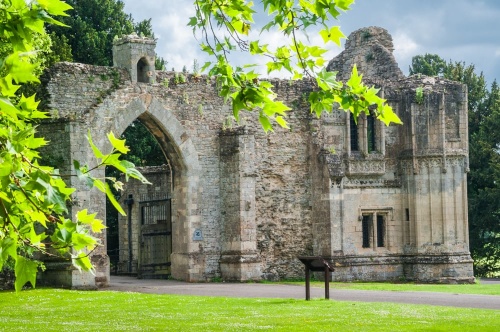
(63,310)
(477,288)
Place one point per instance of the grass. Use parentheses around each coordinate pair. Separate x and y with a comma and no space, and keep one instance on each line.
(478,288)
(64,310)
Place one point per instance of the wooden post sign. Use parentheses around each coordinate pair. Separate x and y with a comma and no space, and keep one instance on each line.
(316,264)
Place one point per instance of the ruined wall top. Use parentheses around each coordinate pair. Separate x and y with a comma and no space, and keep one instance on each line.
(134,38)
(371,50)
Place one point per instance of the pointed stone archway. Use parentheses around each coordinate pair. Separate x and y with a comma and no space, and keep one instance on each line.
(179,150)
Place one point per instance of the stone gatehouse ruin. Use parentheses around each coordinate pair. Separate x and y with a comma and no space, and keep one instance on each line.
(383,203)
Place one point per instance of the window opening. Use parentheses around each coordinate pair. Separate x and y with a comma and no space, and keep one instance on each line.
(371,135)
(366,226)
(354,134)
(142,71)
(380,231)
(374,229)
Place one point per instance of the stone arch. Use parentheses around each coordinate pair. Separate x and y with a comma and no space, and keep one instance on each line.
(179,150)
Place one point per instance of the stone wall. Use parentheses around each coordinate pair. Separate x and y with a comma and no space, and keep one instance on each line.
(246,204)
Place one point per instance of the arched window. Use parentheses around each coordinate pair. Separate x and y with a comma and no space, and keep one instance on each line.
(365,134)
(142,71)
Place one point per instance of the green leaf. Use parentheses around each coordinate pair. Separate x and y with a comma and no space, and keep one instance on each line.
(5,168)
(193,21)
(113,200)
(131,171)
(35,25)
(387,116)
(25,270)
(344,4)
(328,80)
(282,122)
(84,217)
(8,108)
(38,216)
(54,197)
(55,7)
(82,262)
(20,70)
(96,225)
(238,104)
(7,248)
(96,150)
(264,121)
(118,144)
(271,108)
(82,241)
(8,89)
(355,79)
(28,103)
(333,34)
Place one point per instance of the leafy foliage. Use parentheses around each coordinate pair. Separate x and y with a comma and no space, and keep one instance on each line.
(427,64)
(242,84)
(484,186)
(144,148)
(484,176)
(34,198)
(91,27)
(483,182)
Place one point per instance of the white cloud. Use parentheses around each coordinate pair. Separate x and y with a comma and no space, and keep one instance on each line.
(446,27)
(404,49)
(175,41)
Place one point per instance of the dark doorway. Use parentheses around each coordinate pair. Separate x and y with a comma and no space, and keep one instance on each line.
(144,151)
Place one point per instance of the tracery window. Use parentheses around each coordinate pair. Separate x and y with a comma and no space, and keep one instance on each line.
(365,134)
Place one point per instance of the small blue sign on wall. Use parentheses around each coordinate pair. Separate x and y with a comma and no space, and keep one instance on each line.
(197,235)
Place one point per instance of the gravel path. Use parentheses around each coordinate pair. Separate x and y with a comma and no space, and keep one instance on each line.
(131,284)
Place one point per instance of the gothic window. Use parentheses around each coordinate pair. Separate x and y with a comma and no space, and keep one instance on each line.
(373,229)
(366,135)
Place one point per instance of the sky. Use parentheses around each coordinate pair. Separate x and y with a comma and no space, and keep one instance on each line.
(458,30)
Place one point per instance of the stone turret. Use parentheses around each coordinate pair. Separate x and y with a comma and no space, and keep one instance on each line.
(136,55)
(371,50)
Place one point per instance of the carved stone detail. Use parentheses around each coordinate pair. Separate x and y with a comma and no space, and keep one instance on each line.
(371,183)
(335,165)
(407,166)
(366,167)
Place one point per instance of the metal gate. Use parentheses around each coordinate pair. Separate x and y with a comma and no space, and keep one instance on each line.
(155,238)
